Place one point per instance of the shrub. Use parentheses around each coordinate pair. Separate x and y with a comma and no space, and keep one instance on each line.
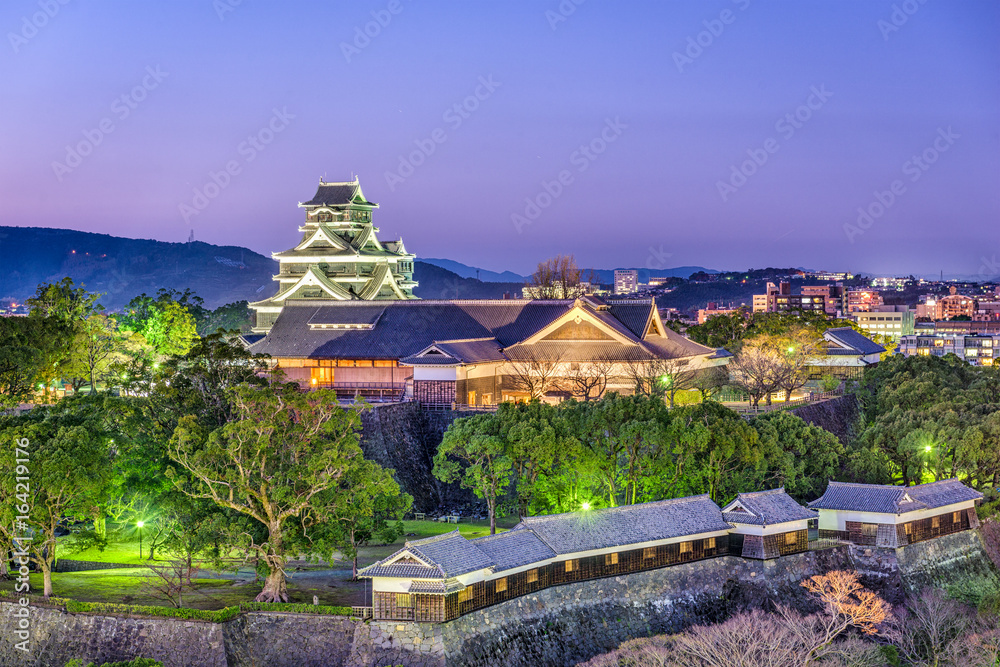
(296,608)
(217,616)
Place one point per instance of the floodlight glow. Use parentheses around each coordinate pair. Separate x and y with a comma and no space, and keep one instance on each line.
(140,524)
(927,448)
(585,506)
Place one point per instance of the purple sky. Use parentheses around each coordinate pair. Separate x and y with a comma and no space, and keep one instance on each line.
(651,197)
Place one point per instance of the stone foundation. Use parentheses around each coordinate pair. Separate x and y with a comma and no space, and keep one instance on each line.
(557,626)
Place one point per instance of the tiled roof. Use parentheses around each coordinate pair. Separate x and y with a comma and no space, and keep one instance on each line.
(453,553)
(472,351)
(334,194)
(765,508)
(404,571)
(436,587)
(537,539)
(854,340)
(626,525)
(893,499)
(514,548)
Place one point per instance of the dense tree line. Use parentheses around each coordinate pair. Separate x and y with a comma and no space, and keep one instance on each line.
(535,458)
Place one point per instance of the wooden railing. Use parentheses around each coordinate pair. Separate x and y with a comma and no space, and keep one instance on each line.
(813,397)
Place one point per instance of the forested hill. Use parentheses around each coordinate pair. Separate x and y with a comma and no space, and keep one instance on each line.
(122,268)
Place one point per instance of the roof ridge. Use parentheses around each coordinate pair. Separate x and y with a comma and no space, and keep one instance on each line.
(463,340)
(779,490)
(433,538)
(652,503)
(937,481)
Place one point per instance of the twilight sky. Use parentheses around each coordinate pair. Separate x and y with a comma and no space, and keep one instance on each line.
(723,133)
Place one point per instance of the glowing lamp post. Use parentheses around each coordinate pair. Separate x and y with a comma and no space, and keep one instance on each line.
(585,506)
(139,525)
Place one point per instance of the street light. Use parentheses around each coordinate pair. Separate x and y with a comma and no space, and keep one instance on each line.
(139,525)
(585,506)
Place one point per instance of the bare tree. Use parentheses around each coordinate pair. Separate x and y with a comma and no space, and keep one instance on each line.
(935,630)
(797,351)
(557,278)
(757,370)
(534,372)
(170,581)
(589,380)
(710,381)
(662,377)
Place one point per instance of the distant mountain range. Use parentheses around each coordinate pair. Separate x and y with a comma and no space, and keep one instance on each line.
(123,268)
(605,276)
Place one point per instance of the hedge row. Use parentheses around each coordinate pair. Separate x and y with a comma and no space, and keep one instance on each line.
(296,608)
(214,616)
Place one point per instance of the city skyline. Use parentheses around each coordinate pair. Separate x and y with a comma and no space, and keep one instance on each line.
(736,134)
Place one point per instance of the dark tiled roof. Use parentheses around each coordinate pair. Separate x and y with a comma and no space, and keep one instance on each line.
(630,524)
(405,571)
(572,351)
(671,344)
(360,314)
(436,587)
(430,360)
(855,340)
(767,508)
(405,328)
(514,548)
(472,351)
(633,315)
(453,553)
(334,194)
(892,499)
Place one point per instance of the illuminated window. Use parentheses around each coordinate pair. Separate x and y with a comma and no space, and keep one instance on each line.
(367,363)
(532,576)
(790,539)
(649,552)
(935,522)
(465,594)
(710,543)
(345,362)
(611,559)
(686,547)
(404,600)
(384,363)
(501,585)
(571,565)
(956,517)
(908,527)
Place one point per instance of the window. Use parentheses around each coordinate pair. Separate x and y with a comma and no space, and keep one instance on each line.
(649,552)
(465,594)
(956,517)
(404,600)
(686,548)
(571,565)
(472,398)
(935,522)
(611,559)
(791,539)
(501,585)
(908,527)
(532,576)
(710,543)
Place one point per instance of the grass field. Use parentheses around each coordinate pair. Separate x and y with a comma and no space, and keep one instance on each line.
(331,583)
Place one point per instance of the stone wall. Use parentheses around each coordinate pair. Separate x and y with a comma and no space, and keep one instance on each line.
(562,625)
(68,565)
(838,416)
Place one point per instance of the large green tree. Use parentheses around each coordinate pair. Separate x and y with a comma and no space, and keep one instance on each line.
(272,462)
(473,452)
(54,466)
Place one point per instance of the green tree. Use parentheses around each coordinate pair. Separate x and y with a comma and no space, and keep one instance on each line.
(64,301)
(805,457)
(272,462)
(54,468)
(473,453)
(166,322)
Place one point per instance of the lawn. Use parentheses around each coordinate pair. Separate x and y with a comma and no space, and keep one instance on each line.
(331,583)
